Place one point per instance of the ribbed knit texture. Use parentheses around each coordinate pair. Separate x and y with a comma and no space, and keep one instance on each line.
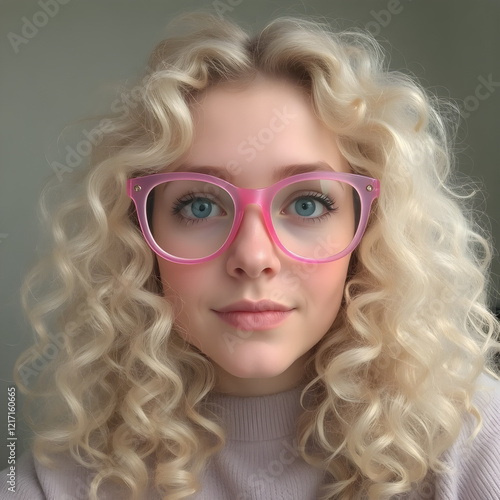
(260,461)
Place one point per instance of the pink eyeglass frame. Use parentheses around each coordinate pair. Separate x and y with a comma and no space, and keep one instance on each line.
(138,190)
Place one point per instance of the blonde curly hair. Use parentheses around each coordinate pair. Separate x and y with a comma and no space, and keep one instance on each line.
(392,378)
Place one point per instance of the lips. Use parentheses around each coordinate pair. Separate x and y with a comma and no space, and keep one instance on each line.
(260,306)
(254,316)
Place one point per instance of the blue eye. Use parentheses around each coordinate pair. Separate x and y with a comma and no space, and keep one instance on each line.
(306,207)
(200,207)
(311,206)
(196,208)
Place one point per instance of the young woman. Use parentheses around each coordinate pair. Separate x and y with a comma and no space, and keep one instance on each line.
(266,287)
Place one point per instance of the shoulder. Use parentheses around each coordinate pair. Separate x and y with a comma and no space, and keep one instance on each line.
(29,480)
(67,480)
(476,463)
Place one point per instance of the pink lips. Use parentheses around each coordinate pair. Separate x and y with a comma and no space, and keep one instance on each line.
(246,315)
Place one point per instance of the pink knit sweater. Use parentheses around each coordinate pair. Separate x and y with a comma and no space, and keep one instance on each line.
(261,462)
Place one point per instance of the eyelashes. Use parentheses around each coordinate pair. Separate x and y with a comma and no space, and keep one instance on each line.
(310,206)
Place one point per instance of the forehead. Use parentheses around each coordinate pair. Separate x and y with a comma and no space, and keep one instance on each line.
(260,103)
(259,93)
(260,126)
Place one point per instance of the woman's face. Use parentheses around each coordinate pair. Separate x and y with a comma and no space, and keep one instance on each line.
(248,136)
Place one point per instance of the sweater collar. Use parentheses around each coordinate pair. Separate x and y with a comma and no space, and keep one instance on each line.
(257,418)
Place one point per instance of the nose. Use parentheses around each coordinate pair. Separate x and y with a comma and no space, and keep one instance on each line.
(252,252)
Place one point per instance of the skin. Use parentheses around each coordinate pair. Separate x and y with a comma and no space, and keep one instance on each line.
(227,126)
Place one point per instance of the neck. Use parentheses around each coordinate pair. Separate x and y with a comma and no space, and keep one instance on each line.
(227,383)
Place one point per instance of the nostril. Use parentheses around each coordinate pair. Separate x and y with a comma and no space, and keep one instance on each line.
(252,253)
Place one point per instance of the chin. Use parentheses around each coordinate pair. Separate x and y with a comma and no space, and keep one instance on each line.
(261,369)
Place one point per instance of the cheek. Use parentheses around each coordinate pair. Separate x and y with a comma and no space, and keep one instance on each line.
(183,288)
(180,282)
(187,287)
(326,294)
(325,288)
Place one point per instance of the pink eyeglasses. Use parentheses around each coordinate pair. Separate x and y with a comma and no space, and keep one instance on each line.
(313,217)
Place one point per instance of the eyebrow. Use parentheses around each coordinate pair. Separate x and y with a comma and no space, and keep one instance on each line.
(279,174)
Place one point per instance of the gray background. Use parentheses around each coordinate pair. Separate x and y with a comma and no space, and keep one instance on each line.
(69,68)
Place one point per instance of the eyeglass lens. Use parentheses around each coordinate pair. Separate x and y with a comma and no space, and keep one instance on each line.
(312,219)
